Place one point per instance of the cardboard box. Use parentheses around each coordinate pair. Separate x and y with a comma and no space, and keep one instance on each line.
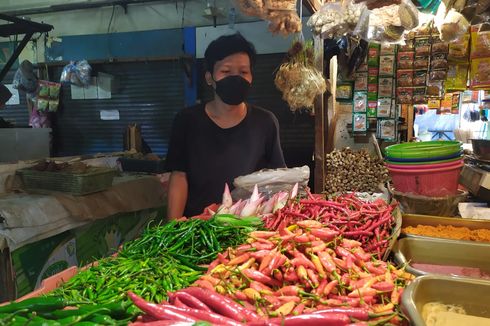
(23,270)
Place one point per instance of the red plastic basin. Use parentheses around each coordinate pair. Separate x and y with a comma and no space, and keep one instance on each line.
(432,182)
(425,166)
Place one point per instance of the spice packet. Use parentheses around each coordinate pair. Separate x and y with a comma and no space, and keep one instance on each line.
(384,107)
(480,73)
(405,60)
(387,49)
(405,78)
(386,129)
(480,43)
(372,92)
(459,50)
(359,122)
(437,75)
(344,92)
(434,104)
(361,83)
(439,61)
(420,78)
(373,55)
(456,78)
(372,109)
(386,65)
(360,102)
(385,88)
(422,46)
(440,47)
(404,95)
(42,104)
(53,105)
(421,62)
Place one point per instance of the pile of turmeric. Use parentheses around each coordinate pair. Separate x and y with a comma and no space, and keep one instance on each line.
(449,232)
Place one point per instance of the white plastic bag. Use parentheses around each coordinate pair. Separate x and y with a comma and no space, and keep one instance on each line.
(271,181)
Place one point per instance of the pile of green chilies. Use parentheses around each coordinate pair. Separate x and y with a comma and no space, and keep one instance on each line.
(165,258)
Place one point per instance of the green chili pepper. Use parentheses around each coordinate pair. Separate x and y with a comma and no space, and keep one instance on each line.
(35,304)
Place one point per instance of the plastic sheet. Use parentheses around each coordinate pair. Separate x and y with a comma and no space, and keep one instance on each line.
(435,206)
(77,73)
(271,181)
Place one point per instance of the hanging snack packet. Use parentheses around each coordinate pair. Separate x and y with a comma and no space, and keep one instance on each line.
(386,65)
(405,78)
(384,107)
(360,102)
(372,109)
(361,83)
(385,88)
(359,122)
(405,60)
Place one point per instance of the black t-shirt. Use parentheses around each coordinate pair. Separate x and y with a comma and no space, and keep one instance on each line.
(212,156)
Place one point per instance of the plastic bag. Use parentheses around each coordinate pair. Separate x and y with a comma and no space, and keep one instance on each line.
(453,26)
(335,19)
(77,73)
(271,181)
(24,78)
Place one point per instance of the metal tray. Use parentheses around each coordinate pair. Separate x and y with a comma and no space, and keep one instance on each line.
(473,295)
(472,224)
(425,250)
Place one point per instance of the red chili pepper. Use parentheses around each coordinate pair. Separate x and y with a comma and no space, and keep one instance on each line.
(291,276)
(310,224)
(158,311)
(301,259)
(374,270)
(289,298)
(362,292)
(179,304)
(350,244)
(298,310)
(263,234)
(260,277)
(263,246)
(383,286)
(302,238)
(277,274)
(357,233)
(324,234)
(221,304)
(289,290)
(213,264)
(211,317)
(342,252)
(204,284)
(329,287)
(331,319)
(313,278)
(361,255)
(257,286)
(191,301)
(239,259)
(259,254)
(357,313)
(340,263)
(327,261)
(319,290)
(267,260)
(276,261)
(244,247)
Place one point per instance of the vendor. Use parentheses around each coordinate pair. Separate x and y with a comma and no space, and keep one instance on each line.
(213,143)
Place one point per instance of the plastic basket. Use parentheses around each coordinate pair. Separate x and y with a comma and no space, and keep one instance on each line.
(423,150)
(94,180)
(432,182)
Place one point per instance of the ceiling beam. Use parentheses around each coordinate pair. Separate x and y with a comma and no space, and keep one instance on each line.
(313,5)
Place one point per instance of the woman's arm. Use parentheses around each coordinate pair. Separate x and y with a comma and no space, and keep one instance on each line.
(177,194)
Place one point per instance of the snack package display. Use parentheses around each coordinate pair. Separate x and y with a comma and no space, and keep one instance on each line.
(373,55)
(422,46)
(421,62)
(405,78)
(386,129)
(459,50)
(372,109)
(387,49)
(457,76)
(360,102)
(344,92)
(404,95)
(384,107)
(48,96)
(480,73)
(361,82)
(480,43)
(405,60)
(387,65)
(385,88)
(420,78)
(359,122)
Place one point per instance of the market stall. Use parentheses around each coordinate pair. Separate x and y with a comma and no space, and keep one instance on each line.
(395,232)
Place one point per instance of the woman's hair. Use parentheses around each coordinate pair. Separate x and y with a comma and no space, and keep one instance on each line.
(225,46)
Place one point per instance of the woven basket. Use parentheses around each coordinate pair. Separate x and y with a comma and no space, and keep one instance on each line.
(280,4)
(94,180)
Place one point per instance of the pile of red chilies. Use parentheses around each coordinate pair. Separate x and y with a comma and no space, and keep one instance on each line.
(369,223)
(301,275)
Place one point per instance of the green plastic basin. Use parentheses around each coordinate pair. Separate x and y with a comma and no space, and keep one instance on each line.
(423,150)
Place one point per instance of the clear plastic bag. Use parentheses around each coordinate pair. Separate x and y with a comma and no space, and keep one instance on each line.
(77,73)
(335,19)
(271,181)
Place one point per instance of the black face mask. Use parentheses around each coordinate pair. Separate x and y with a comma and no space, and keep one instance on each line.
(233,90)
